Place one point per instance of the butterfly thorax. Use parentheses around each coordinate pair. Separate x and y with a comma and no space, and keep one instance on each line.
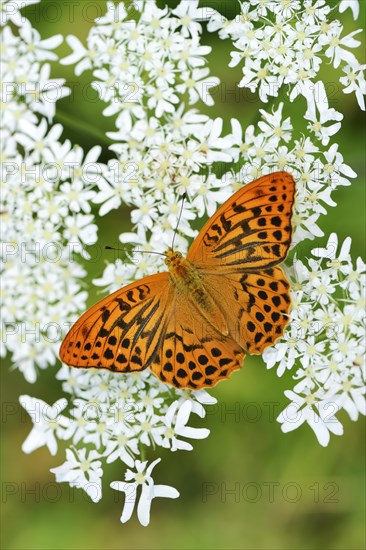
(187,280)
(182,272)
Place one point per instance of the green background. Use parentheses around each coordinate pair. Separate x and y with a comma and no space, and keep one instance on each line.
(246,486)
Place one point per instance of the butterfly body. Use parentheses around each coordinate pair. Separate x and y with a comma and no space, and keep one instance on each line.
(193,324)
(189,283)
(182,272)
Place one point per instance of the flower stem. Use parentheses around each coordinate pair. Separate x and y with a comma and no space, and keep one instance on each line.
(142,452)
(76,124)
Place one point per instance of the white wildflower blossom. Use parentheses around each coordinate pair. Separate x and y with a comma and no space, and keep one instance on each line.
(354,81)
(82,471)
(10,11)
(175,421)
(319,102)
(141,478)
(48,423)
(353,4)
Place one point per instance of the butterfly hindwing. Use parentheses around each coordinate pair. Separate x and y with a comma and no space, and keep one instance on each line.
(193,353)
(252,229)
(256,305)
(122,332)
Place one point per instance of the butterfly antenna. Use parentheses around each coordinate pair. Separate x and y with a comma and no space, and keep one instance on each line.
(184,196)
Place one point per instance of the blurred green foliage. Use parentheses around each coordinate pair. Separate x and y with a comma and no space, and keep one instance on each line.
(247,486)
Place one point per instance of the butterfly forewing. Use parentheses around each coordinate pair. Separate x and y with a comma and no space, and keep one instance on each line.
(124,331)
(252,229)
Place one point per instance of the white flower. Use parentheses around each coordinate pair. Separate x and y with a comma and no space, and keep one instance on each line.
(336,51)
(354,81)
(257,75)
(330,252)
(198,84)
(336,169)
(48,423)
(82,471)
(351,397)
(355,277)
(211,145)
(37,138)
(317,414)
(322,289)
(274,126)
(209,195)
(36,48)
(79,230)
(312,351)
(72,378)
(115,276)
(176,425)
(41,92)
(115,14)
(319,101)
(161,99)
(353,4)
(145,212)
(123,445)
(9,11)
(188,12)
(78,197)
(284,352)
(141,478)
(112,190)
(80,54)
(286,9)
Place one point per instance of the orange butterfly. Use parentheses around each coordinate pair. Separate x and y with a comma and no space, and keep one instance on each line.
(191,325)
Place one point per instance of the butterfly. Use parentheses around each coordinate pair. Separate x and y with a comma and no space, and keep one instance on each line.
(192,324)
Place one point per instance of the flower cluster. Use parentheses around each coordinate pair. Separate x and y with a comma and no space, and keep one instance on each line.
(158,157)
(146,70)
(120,417)
(45,203)
(285,43)
(325,341)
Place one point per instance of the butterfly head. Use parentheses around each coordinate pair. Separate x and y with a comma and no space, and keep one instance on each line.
(173,258)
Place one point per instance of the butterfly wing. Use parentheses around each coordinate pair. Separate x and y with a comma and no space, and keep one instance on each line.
(251,230)
(237,253)
(124,331)
(255,305)
(193,354)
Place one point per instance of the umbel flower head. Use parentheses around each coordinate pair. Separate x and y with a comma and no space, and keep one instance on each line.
(283,44)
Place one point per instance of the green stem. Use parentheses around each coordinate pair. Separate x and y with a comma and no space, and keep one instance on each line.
(142,452)
(76,124)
